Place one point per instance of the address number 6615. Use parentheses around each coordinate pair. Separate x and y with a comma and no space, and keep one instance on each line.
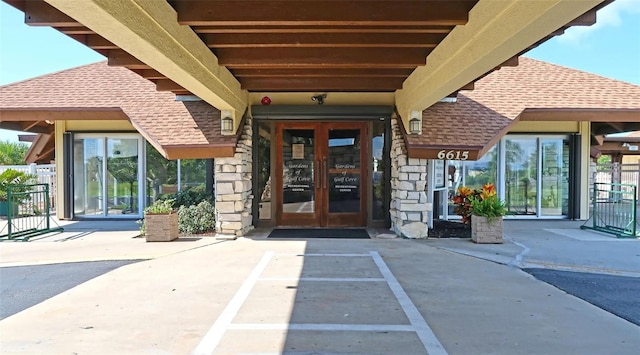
(453,154)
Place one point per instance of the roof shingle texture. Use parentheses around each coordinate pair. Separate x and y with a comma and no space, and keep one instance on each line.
(499,98)
(155,114)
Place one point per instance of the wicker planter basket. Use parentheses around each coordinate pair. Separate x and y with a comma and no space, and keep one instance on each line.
(488,231)
(162,227)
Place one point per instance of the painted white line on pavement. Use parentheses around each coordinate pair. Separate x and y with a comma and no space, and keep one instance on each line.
(322,279)
(214,335)
(303,255)
(325,327)
(426,335)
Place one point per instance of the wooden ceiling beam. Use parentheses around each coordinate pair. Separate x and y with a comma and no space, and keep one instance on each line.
(94,41)
(586,19)
(333,40)
(347,12)
(321,84)
(234,58)
(39,13)
(168,85)
(331,72)
(120,58)
(72,30)
(323,29)
(149,74)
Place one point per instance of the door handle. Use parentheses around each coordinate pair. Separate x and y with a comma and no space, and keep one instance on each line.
(317,175)
(325,173)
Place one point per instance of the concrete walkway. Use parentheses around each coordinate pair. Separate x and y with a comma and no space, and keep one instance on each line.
(255,295)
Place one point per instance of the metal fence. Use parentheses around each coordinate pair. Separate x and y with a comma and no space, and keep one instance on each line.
(614,210)
(616,173)
(45,173)
(28,212)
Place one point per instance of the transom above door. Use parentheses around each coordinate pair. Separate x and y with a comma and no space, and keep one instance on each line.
(321,172)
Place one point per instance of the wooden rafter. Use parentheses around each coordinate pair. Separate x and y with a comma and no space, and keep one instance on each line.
(348,12)
(334,40)
(322,83)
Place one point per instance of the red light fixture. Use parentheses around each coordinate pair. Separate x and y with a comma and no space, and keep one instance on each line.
(266,100)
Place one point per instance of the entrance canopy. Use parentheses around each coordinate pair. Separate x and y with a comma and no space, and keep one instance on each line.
(222,50)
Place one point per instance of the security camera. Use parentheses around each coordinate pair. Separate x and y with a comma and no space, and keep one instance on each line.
(319,98)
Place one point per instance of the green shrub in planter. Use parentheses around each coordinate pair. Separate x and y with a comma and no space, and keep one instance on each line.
(197,219)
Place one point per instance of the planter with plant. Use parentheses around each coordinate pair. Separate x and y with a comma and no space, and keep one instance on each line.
(160,222)
(18,180)
(484,211)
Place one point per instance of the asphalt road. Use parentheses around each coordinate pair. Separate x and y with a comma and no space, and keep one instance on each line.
(24,286)
(615,294)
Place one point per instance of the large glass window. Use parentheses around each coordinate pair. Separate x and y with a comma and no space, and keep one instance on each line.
(521,175)
(555,177)
(107,174)
(165,177)
(473,174)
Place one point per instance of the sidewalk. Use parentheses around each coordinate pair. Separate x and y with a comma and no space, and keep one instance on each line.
(315,296)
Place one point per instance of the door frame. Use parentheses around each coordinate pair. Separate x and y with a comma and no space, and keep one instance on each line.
(321,216)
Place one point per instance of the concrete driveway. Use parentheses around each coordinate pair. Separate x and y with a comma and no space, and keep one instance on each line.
(256,295)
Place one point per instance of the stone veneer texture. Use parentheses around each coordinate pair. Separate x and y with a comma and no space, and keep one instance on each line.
(233,189)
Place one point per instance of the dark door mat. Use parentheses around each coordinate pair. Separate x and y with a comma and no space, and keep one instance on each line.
(304,233)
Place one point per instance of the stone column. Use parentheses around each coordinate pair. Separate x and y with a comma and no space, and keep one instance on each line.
(409,208)
(233,193)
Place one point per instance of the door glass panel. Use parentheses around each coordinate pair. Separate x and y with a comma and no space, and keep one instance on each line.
(521,176)
(344,170)
(298,171)
(555,177)
(378,166)
(263,159)
(122,176)
(88,156)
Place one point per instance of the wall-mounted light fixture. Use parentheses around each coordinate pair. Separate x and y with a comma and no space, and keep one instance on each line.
(415,123)
(227,122)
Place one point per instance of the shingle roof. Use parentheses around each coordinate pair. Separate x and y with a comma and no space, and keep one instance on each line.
(481,115)
(162,120)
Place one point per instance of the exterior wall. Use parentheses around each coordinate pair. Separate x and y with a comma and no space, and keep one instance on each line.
(233,192)
(409,209)
(68,126)
(545,127)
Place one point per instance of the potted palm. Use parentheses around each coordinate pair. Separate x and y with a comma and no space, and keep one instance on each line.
(487,211)
(18,179)
(160,221)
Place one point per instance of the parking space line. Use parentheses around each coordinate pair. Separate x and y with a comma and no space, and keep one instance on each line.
(426,335)
(325,327)
(339,255)
(323,279)
(210,341)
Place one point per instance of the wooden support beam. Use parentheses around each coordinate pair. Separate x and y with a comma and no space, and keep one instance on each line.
(496,31)
(148,30)
(322,40)
(120,58)
(321,84)
(168,85)
(39,13)
(149,74)
(19,126)
(348,12)
(320,57)
(323,29)
(586,19)
(324,72)
(597,139)
(72,30)
(94,41)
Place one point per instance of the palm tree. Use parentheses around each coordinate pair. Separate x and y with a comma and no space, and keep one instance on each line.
(13,153)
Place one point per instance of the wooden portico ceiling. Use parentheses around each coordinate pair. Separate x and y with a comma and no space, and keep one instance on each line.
(219,50)
(322,46)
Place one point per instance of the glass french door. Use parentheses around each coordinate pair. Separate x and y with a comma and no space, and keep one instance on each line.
(107,175)
(321,167)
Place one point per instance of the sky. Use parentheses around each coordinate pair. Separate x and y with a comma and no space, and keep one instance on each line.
(610,48)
